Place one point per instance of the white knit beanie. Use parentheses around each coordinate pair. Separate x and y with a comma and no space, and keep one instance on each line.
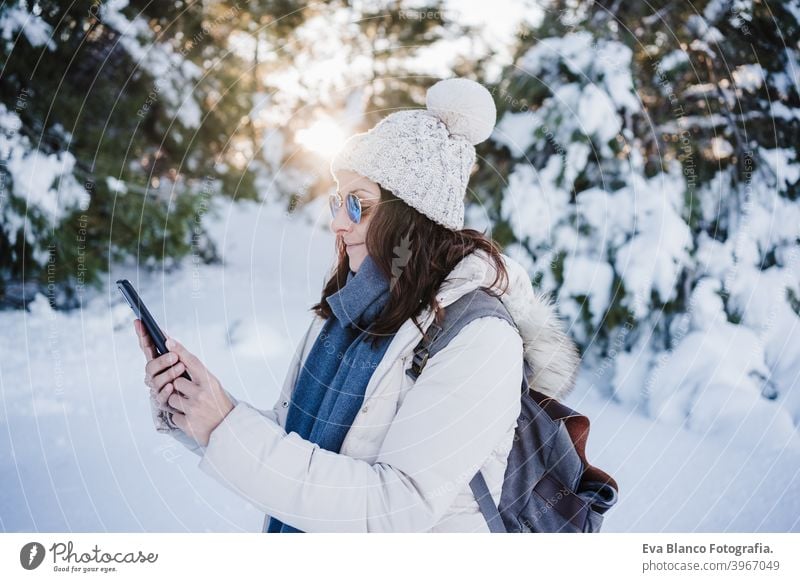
(425,156)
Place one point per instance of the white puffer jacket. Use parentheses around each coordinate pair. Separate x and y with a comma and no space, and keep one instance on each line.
(406,462)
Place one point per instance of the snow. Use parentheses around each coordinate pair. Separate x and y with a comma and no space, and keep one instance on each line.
(577,156)
(749,77)
(516,131)
(605,63)
(33,176)
(174,75)
(712,381)
(609,213)
(780,111)
(115,185)
(715,9)
(36,30)
(43,181)
(793,6)
(759,296)
(720,148)
(531,205)
(592,279)
(597,114)
(726,369)
(783,165)
(574,49)
(613,66)
(672,60)
(699,26)
(705,305)
(674,480)
(588,105)
(649,263)
(713,257)
(630,370)
(641,226)
(78,451)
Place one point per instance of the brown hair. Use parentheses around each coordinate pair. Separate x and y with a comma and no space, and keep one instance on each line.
(416,255)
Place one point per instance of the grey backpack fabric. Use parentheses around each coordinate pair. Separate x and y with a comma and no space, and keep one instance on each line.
(548,484)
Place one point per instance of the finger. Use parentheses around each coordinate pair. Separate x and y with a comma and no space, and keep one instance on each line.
(149,352)
(163,395)
(165,405)
(196,368)
(145,343)
(187,388)
(160,363)
(141,333)
(178,402)
(168,375)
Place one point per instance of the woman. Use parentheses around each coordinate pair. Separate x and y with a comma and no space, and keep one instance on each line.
(353,444)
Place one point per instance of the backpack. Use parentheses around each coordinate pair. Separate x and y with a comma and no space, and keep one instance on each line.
(548,486)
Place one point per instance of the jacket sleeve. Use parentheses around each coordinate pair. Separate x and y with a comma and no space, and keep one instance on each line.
(462,404)
(271,414)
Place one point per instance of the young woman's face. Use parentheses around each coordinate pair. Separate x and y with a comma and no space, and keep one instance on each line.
(354,234)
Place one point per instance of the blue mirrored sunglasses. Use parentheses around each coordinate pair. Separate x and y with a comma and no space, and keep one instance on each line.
(352,204)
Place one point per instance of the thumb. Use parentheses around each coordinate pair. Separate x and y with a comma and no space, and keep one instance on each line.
(193,364)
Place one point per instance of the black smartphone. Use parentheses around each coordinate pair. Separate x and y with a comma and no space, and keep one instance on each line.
(159,339)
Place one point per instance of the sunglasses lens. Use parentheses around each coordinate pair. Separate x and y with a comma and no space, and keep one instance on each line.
(353,208)
(333,204)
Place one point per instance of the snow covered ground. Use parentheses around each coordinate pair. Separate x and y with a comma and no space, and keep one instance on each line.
(78,451)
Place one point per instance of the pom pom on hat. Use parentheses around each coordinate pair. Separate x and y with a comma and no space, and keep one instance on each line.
(465,107)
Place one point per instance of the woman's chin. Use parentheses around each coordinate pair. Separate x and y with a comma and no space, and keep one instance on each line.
(355,260)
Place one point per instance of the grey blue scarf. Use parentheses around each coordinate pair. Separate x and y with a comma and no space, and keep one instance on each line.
(330,387)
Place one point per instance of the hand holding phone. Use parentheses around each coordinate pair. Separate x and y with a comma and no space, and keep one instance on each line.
(161,367)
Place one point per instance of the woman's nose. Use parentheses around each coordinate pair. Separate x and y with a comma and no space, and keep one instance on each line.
(341,221)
